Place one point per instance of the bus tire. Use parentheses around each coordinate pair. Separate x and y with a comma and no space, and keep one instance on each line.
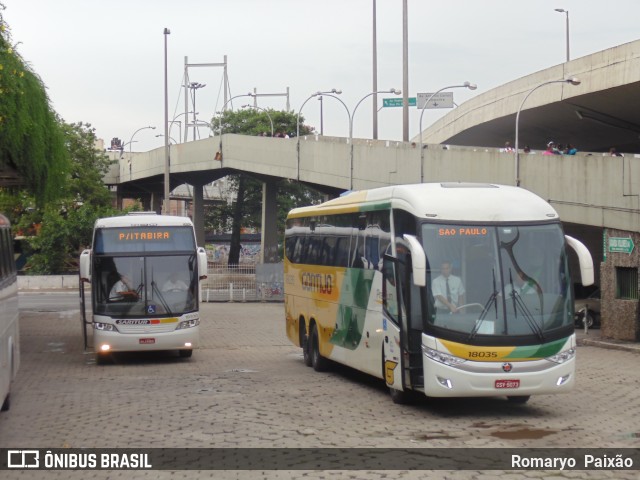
(304,343)
(400,397)
(185,353)
(519,400)
(7,403)
(318,362)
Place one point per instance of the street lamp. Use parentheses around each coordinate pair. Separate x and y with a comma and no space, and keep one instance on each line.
(134,134)
(333,90)
(194,86)
(570,81)
(167,160)
(566,12)
(265,111)
(469,85)
(179,122)
(222,112)
(170,138)
(392,90)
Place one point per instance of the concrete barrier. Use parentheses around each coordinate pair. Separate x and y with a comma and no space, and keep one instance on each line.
(40,282)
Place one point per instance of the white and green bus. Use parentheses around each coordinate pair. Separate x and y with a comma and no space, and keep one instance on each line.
(144,270)
(9,315)
(365,286)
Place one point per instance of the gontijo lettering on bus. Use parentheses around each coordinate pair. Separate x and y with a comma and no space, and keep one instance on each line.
(317,282)
(136,236)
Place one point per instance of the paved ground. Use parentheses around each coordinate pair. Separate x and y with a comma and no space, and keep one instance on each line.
(248,387)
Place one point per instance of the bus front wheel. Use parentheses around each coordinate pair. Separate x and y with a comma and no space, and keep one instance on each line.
(318,362)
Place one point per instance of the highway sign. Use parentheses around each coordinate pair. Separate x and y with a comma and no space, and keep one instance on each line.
(621,244)
(440,100)
(397,102)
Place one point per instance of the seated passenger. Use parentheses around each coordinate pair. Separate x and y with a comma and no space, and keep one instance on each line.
(174,284)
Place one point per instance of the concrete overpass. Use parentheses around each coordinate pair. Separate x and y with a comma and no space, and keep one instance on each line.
(597,196)
(598,114)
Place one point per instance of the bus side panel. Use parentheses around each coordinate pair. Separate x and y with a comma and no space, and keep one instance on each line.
(345,305)
(9,336)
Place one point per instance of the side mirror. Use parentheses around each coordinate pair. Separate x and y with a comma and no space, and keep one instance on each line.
(85,266)
(202,263)
(584,259)
(418,260)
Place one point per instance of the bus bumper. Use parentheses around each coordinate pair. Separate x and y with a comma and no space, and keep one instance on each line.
(106,342)
(488,379)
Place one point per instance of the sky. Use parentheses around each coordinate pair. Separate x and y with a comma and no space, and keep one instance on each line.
(102,61)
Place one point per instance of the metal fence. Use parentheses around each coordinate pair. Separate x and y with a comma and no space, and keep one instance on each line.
(243,283)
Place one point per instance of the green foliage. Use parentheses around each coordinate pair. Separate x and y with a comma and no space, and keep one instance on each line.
(31,140)
(251,121)
(290,194)
(62,236)
(88,165)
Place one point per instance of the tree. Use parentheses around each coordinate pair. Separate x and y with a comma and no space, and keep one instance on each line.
(247,210)
(31,140)
(88,165)
(58,232)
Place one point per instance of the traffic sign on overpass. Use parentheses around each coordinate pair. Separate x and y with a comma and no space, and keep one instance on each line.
(397,102)
(440,100)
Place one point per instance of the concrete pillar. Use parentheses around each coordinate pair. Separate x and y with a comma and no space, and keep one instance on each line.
(198,213)
(156,202)
(269,238)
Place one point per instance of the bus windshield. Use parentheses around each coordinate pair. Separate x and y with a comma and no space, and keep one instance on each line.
(143,286)
(497,280)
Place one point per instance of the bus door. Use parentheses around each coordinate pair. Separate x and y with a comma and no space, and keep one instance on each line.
(393,318)
(85,276)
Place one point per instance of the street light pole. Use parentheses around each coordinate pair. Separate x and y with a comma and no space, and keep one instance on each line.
(570,81)
(566,12)
(167,160)
(222,112)
(333,90)
(195,86)
(179,122)
(469,85)
(134,134)
(394,91)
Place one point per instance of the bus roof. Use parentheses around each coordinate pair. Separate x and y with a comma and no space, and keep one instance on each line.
(477,202)
(143,220)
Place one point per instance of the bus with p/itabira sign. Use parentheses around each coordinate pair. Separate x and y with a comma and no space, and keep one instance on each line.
(448,289)
(9,315)
(144,270)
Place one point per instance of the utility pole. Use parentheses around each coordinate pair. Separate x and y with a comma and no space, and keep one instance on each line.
(405,73)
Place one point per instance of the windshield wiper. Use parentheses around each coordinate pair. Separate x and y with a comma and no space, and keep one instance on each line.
(517,302)
(156,290)
(493,299)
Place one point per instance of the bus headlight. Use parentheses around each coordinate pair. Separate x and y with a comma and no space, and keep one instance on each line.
(105,327)
(563,356)
(442,357)
(188,324)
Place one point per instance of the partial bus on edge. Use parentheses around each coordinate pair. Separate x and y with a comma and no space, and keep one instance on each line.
(9,315)
(360,274)
(156,304)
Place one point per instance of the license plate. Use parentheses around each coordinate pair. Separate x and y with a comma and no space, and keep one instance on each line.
(507,384)
(147,341)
